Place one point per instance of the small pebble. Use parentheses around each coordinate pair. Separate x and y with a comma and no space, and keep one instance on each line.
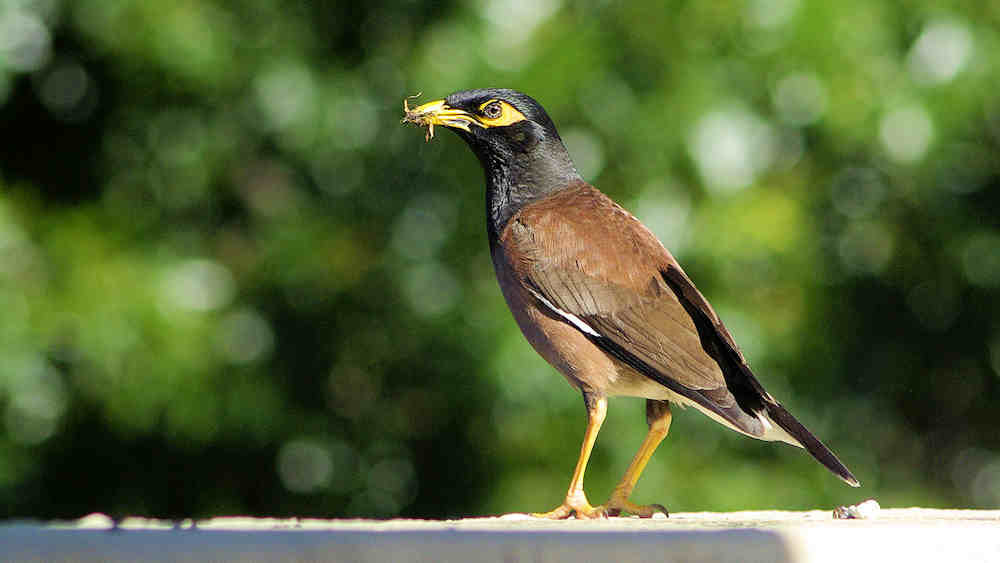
(95,521)
(866,510)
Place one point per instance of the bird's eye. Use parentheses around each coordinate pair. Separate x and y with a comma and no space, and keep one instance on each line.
(493,110)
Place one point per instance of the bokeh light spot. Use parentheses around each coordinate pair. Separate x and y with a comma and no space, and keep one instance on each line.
(981,260)
(906,132)
(431,289)
(25,42)
(37,399)
(198,285)
(800,98)
(68,92)
(730,148)
(286,93)
(940,53)
(305,465)
(244,336)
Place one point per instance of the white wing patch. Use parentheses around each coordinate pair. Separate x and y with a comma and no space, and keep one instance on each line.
(573,319)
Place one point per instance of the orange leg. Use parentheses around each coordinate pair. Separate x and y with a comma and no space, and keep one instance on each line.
(576,501)
(658,417)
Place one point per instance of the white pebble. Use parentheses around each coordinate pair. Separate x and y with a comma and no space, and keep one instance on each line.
(95,521)
(862,511)
(868,509)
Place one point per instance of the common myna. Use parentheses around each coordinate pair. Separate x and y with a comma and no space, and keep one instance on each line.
(599,297)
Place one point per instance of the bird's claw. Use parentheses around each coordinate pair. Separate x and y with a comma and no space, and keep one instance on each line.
(572,507)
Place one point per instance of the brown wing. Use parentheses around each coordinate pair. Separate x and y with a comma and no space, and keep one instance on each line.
(590,261)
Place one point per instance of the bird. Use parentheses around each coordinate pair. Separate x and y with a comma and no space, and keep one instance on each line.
(600,298)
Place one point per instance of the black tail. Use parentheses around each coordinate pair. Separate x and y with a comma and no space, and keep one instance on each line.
(811,443)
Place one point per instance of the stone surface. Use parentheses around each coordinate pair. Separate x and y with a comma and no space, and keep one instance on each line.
(913,534)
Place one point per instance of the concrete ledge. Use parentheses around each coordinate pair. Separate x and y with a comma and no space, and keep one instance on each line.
(911,535)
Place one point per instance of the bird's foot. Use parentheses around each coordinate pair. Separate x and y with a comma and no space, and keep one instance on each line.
(617,505)
(574,505)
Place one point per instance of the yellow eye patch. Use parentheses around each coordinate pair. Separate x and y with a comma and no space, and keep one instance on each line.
(498,113)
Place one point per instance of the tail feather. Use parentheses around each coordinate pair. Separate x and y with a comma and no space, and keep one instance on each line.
(786,421)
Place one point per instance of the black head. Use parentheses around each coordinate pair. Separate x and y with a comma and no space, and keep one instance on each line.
(503,120)
(516,142)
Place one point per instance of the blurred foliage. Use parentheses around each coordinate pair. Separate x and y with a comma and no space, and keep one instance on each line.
(230,282)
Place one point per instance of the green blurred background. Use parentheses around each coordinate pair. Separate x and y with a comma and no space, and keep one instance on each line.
(232,282)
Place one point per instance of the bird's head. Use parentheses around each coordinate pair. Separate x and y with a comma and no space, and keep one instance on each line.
(499,125)
(516,142)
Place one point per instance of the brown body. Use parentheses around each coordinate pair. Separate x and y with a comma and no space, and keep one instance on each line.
(581,229)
